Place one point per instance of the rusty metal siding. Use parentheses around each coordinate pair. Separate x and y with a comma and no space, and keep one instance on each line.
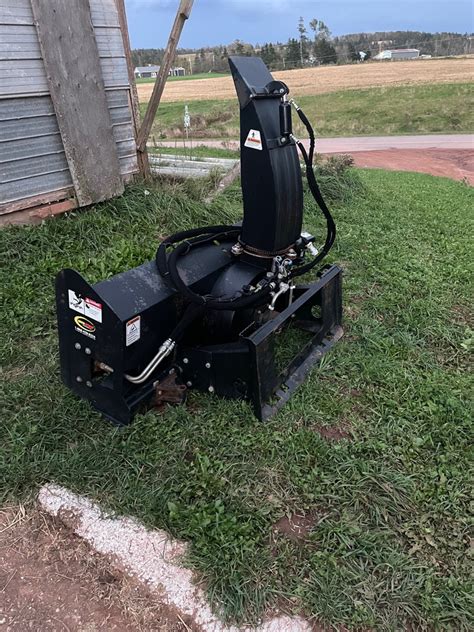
(32,159)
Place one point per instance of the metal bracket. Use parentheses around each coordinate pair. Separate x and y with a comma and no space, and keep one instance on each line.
(168,391)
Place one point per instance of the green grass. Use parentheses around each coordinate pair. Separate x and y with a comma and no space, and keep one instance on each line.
(390,545)
(421,109)
(199,75)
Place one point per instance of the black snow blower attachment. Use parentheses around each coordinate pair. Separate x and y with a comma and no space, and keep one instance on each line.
(219,309)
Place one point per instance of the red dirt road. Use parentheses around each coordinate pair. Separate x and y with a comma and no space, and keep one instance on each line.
(51,581)
(449,163)
(449,156)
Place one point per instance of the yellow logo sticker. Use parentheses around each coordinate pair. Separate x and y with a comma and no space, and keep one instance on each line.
(84,324)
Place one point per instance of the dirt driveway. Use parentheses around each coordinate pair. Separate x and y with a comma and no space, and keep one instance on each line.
(450,163)
(50,581)
(451,156)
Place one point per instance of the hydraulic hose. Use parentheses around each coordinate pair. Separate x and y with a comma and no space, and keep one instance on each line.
(317,195)
(209,231)
(168,268)
(312,139)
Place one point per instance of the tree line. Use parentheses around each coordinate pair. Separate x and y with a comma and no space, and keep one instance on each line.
(314,45)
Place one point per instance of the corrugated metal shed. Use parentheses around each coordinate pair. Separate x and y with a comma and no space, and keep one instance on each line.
(33,164)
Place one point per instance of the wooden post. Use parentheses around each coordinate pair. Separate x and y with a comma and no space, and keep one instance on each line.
(184,11)
(143,163)
(72,63)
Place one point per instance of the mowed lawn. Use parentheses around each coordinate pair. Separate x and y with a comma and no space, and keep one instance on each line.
(419,109)
(374,449)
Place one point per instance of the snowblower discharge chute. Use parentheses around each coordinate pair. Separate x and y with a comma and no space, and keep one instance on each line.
(219,310)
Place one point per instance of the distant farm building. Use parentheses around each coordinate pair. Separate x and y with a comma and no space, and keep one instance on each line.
(151,72)
(147,72)
(398,53)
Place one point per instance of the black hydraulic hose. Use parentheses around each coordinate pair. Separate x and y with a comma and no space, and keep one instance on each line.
(192,313)
(316,192)
(241,302)
(312,139)
(168,268)
(211,231)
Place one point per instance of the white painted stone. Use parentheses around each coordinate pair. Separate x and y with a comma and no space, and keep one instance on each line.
(150,556)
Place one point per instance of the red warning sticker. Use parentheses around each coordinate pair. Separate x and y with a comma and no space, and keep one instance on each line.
(254,140)
(85,306)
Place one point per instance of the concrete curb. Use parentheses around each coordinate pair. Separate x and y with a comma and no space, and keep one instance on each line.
(152,557)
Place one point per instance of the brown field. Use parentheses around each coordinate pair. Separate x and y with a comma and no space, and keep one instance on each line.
(329,79)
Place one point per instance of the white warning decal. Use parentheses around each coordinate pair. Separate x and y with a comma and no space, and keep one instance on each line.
(254,140)
(76,302)
(132,331)
(85,306)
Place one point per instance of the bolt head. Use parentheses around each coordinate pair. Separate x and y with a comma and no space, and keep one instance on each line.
(77,346)
(79,379)
(211,389)
(237,249)
(208,365)
(189,384)
(88,351)
(89,384)
(185,360)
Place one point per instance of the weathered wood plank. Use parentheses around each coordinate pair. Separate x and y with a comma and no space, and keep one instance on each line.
(37,200)
(75,81)
(37,214)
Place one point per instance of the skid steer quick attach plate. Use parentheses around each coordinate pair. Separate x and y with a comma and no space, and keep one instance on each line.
(248,368)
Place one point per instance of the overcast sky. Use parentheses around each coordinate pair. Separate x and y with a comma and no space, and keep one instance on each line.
(222,21)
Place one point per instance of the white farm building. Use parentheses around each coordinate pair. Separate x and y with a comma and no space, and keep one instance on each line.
(398,53)
(146,72)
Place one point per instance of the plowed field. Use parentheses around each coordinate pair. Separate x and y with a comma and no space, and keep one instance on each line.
(329,79)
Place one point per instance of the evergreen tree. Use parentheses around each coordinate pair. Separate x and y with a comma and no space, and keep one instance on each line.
(325,52)
(353,54)
(268,54)
(292,57)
